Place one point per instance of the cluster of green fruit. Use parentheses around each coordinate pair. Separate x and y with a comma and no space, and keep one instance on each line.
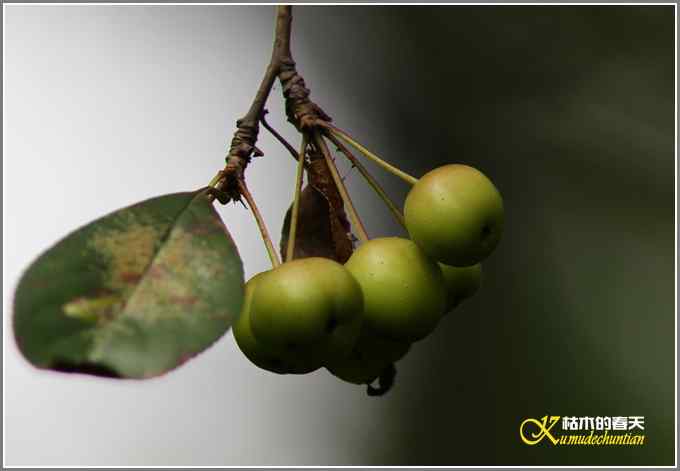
(359,318)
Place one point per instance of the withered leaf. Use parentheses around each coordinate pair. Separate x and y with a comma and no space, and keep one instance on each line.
(323,229)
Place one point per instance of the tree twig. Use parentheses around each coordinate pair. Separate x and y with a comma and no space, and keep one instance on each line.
(278,136)
(242,147)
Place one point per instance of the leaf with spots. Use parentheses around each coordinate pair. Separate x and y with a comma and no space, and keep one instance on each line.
(133,294)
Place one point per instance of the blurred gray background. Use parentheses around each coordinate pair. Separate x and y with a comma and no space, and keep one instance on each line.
(569,110)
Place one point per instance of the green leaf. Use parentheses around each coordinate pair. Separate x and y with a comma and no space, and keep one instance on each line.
(133,294)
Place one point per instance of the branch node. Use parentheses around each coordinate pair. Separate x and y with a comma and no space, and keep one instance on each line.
(301,111)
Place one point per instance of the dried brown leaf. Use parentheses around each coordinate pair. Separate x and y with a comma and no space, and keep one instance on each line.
(323,229)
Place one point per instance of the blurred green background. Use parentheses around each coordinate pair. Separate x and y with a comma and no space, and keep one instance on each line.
(570,111)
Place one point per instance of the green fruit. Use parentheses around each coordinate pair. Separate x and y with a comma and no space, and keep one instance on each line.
(404,294)
(309,309)
(357,370)
(461,283)
(256,352)
(370,356)
(303,360)
(455,214)
(373,345)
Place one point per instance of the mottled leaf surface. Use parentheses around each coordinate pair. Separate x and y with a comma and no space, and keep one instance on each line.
(133,294)
(323,229)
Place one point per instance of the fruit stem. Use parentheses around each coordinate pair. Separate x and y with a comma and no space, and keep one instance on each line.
(273,256)
(386,166)
(385,382)
(290,250)
(354,216)
(372,182)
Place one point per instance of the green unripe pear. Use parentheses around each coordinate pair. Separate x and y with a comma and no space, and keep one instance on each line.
(461,283)
(309,309)
(373,345)
(455,214)
(370,356)
(264,356)
(304,359)
(404,294)
(257,353)
(357,370)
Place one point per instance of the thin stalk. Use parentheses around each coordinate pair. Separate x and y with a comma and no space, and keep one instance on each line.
(372,182)
(273,256)
(354,216)
(279,137)
(290,250)
(280,49)
(382,163)
(216,179)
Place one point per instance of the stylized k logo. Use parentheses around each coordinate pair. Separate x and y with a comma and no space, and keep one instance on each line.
(544,426)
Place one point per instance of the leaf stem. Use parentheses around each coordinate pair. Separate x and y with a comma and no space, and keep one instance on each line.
(290,250)
(372,182)
(273,256)
(214,182)
(382,163)
(354,216)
